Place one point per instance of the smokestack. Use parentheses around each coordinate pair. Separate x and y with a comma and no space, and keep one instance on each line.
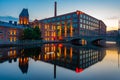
(55,10)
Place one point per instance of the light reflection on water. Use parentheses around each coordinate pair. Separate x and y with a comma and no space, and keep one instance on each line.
(60,62)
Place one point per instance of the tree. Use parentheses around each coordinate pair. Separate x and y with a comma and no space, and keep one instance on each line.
(37,33)
(31,34)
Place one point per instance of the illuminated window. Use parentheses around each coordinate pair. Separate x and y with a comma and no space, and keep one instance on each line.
(14,38)
(45,33)
(52,39)
(10,39)
(48,27)
(10,32)
(52,27)
(45,26)
(48,33)
(14,32)
(54,34)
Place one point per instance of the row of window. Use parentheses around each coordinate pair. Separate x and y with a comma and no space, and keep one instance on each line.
(84,16)
(12,39)
(87,51)
(69,16)
(86,64)
(89,55)
(88,33)
(49,48)
(12,32)
(88,27)
(89,22)
(48,33)
(50,27)
(49,39)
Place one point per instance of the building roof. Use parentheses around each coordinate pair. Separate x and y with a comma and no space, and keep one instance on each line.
(10,25)
(75,12)
(24,13)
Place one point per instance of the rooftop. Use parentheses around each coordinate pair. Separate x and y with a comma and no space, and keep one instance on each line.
(24,13)
(10,25)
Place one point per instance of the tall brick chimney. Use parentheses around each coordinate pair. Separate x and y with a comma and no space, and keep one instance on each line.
(55,9)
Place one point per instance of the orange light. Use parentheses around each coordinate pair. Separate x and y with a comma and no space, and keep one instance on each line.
(60,38)
(60,45)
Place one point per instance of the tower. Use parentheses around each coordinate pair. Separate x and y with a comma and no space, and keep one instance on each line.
(24,17)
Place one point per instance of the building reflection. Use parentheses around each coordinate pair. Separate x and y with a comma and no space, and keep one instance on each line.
(23,64)
(75,58)
(8,54)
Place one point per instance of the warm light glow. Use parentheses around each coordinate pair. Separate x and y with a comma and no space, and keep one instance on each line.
(71,29)
(23,61)
(112,24)
(10,39)
(65,52)
(65,28)
(71,53)
(14,38)
(14,32)
(60,45)
(10,32)
(84,42)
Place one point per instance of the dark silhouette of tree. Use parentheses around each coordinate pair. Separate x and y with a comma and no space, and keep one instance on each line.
(31,34)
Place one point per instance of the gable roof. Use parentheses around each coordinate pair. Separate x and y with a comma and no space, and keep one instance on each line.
(24,13)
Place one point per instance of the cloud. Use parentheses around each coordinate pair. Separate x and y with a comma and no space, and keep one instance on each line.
(113,18)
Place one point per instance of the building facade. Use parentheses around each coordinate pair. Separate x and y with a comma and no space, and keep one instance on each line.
(10,32)
(70,25)
(74,24)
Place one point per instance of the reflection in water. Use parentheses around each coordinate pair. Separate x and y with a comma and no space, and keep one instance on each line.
(23,64)
(118,57)
(75,58)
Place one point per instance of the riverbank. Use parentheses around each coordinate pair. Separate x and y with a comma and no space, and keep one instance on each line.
(28,43)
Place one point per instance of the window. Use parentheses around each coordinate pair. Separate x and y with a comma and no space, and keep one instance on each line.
(58,19)
(63,22)
(75,20)
(81,16)
(74,15)
(63,17)
(53,19)
(80,25)
(81,20)
(68,16)
(45,21)
(75,25)
(49,20)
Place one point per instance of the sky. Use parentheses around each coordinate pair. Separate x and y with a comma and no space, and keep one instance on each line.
(106,10)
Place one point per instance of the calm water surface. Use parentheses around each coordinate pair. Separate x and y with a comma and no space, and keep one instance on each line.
(60,62)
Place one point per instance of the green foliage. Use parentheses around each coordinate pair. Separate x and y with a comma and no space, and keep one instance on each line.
(31,34)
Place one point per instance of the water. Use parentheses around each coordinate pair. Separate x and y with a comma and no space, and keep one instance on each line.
(60,62)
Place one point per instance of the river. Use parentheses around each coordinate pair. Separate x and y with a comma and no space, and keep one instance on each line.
(60,62)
